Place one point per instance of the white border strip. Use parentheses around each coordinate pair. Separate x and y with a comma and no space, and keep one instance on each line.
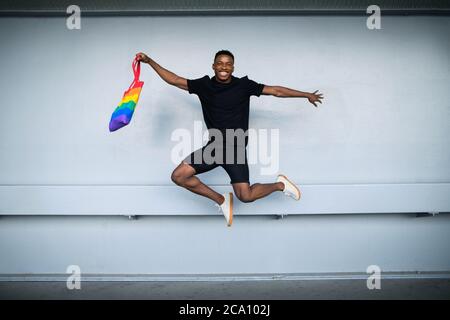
(138,200)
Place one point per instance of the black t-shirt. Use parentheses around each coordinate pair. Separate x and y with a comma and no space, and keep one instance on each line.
(225,105)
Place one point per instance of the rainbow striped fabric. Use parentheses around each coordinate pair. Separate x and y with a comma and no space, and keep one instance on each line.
(124,112)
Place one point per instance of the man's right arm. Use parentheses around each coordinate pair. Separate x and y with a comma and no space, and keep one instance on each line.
(166,75)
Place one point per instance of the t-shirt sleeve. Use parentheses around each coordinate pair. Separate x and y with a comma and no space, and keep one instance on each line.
(196,85)
(254,88)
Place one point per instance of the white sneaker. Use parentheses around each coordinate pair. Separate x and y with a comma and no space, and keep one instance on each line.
(290,189)
(227,208)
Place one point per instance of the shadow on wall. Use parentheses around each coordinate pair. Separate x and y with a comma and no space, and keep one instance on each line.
(168,112)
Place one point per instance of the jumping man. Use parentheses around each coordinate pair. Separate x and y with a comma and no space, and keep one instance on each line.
(225,103)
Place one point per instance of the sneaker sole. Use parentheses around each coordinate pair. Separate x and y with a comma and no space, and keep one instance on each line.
(298,190)
(231,210)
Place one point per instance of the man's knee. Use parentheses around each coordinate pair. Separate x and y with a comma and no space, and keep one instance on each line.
(178,177)
(180,174)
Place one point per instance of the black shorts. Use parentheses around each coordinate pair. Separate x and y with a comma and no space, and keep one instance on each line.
(233,158)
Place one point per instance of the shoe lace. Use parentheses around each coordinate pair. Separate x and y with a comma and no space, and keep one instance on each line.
(288,193)
(219,208)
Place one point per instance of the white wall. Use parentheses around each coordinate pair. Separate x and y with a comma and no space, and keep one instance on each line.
(385,119)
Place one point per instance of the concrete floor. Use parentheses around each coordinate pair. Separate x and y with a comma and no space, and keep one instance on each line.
(212,290)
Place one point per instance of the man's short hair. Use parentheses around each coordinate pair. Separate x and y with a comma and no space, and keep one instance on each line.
(223,52)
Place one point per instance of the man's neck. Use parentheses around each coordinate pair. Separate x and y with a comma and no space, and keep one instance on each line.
(224,82)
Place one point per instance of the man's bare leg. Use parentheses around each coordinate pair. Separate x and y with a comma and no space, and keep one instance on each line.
(184,176)
(247,193)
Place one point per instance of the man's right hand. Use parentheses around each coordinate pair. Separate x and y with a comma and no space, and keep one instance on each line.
(166,75)
(142,57)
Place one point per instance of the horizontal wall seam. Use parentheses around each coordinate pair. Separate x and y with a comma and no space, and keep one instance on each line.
(214,12)
(225,278)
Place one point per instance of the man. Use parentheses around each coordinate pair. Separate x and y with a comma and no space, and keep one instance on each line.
(225,104)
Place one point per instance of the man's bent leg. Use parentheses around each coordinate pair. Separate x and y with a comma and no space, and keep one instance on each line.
(247,193)
(239,175)
(184,176)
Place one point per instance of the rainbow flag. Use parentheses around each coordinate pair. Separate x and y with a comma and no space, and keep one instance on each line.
(124,112)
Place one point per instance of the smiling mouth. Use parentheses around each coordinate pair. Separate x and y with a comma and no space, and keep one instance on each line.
(223,73)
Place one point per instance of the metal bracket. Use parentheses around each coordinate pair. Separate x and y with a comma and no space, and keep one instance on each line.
(427,214)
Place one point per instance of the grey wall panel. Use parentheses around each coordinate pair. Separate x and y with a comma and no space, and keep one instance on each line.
(204,245)
(172,200)
(143,7)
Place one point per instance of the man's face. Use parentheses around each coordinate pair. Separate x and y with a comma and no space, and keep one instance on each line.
(223,68)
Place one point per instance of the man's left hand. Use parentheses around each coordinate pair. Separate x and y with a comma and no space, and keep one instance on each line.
(315,97)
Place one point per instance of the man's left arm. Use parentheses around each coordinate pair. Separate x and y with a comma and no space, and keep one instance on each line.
(283,92)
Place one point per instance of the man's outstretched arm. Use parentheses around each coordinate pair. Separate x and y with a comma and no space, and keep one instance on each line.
(166,75)
(282,92)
